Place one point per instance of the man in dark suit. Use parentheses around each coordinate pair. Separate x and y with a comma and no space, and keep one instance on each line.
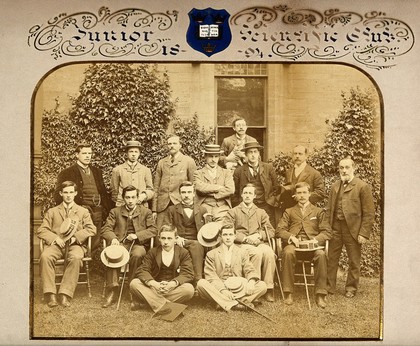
(126,224)
(231,147)
(351,213)
(304,221)
(301,171)
(188,218)
(261,175)
(165,274)
(92,193)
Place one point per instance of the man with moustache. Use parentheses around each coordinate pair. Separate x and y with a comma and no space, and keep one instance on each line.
(171,171)
(214,185)
(92,193)
(351,213)
(132,172)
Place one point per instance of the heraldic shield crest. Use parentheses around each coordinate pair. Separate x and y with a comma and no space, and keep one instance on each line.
(209,31)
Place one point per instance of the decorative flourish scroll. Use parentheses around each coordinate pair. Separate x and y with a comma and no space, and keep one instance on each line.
(373,39)
(126,32)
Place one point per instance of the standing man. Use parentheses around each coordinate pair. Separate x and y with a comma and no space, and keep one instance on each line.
(261,175)
(171,171)
(300,172)
(92,193)
(132,172)
(165,274)
(224,263)
(351,213)
(304,221)
(214,184)
(252,226)
(71,243)
(126,224)
(232,146)
(188,218)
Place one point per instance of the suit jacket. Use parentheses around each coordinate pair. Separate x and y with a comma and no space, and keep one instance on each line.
(73,174)
(229,144)
(115,226)
(204,185)
(152,263)
(242,176)
(313,178)
(249,224)
(313,222)
(357,204)
(54,217)
(240,266)
(174,216)
(122,176)
(168,177)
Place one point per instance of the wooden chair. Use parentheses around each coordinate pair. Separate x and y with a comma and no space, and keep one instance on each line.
(84,275)
(304,268)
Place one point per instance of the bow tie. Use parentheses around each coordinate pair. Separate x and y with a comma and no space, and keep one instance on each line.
(188,206)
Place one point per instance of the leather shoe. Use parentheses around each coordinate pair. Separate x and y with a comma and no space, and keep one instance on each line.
(110,299)
(241,307)
(135,306)
(65,300)
(269,296)
(350,294)
(52,301)
(320,301)
(289,299)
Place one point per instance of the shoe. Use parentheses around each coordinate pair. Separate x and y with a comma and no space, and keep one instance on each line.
(257,301)
(52,301)
(110,299)
(65,300)
(269,296)
(320,301)
(135,306)
(289,299)
(350,294)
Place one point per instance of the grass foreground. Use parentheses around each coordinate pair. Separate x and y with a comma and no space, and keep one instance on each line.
(343,318)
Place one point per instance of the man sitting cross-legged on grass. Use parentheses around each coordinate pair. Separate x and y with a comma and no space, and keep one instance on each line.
(229,275)
(165,274)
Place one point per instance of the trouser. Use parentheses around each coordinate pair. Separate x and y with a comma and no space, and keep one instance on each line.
(269,209)
(136,257)
(263,259)
(289,257)
(155,299)
(342,235)
(96,215)
(49,256)
(208,291)
(218,212)
(196,251)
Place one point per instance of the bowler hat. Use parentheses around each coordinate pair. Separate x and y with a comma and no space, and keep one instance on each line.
(68,228)
(115,256)
(237,285)
(132,144)
(251,145)
(208,235)
(212,149)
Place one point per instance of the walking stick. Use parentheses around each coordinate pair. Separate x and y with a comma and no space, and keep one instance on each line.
(251,308)
(276,269)
(125,272)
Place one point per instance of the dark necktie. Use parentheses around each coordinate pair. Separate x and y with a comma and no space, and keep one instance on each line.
(254,171)
(188,206)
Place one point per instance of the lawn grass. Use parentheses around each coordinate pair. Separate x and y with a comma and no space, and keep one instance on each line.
(357,318)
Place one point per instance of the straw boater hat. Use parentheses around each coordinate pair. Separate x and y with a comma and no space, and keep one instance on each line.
(115,256)
(251,145)
(132,144)
(68,228)
(308,245)
(208,235)
(212,149)
(237,285)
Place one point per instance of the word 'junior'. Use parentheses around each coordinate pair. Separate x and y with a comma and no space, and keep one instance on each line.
(112,36)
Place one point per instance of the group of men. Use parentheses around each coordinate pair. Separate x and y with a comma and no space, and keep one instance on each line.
(235,193)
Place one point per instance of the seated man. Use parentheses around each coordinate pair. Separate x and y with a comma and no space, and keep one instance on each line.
(252,226)
(224,262)
(304,221)
(57,247)
(126,224)
(165,274)
(214,184)
(188,218)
